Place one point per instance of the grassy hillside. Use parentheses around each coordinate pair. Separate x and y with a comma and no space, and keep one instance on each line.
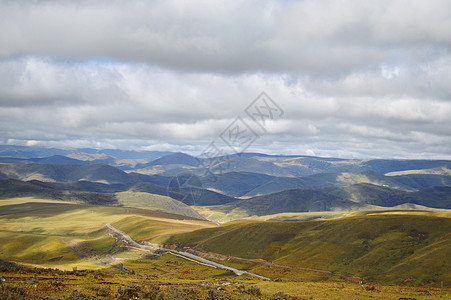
(156,202)
(395,249)
(51,233)
(47,233)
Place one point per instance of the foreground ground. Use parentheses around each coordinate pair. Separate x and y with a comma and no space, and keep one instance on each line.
(169,277)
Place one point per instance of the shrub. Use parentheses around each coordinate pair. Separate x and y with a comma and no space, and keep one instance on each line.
(153,293)
(253,290)
(279,296)
(214,295)
(129,292)
(102,291)
(11,292)
(76,295)
(174,294)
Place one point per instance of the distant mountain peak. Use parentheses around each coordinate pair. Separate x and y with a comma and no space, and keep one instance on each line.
(178,158)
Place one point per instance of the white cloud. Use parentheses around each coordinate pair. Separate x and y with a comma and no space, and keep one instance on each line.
(353,78)
(307,36)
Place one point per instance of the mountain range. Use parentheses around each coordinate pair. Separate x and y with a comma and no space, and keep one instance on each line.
(257,184)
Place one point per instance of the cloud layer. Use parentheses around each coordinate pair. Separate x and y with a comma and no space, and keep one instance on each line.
(355,79)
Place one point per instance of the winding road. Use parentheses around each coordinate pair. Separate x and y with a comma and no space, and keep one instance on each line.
(185,255)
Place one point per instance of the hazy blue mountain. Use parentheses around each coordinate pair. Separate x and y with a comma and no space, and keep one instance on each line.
(393,165)
(57,159)
(340,198)
(175,159)
(10,188)
(30,152)
(248,175)
(247,184)
(366,193)
(422,181)
(235,184)
(297,200)
(13,160)
(290,166)
(65,173)
(40,152)
(439,197)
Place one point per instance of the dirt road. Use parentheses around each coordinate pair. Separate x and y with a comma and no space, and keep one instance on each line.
(185,255)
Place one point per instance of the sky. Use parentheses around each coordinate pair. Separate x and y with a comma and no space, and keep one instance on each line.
(350,79)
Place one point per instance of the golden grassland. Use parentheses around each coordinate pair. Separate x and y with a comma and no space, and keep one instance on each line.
(68,236)
(383,247)
(55,233)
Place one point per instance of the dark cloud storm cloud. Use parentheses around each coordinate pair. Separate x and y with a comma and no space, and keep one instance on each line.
(355,78)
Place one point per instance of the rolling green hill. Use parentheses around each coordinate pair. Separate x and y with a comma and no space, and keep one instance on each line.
(157,203)
(393,249)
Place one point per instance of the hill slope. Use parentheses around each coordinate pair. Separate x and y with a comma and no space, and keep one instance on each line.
(385,248)
(157,203)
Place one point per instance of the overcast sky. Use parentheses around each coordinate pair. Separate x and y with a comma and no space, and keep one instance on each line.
(359,79)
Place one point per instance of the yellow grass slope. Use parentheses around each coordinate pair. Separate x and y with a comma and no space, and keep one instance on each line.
(54,233)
